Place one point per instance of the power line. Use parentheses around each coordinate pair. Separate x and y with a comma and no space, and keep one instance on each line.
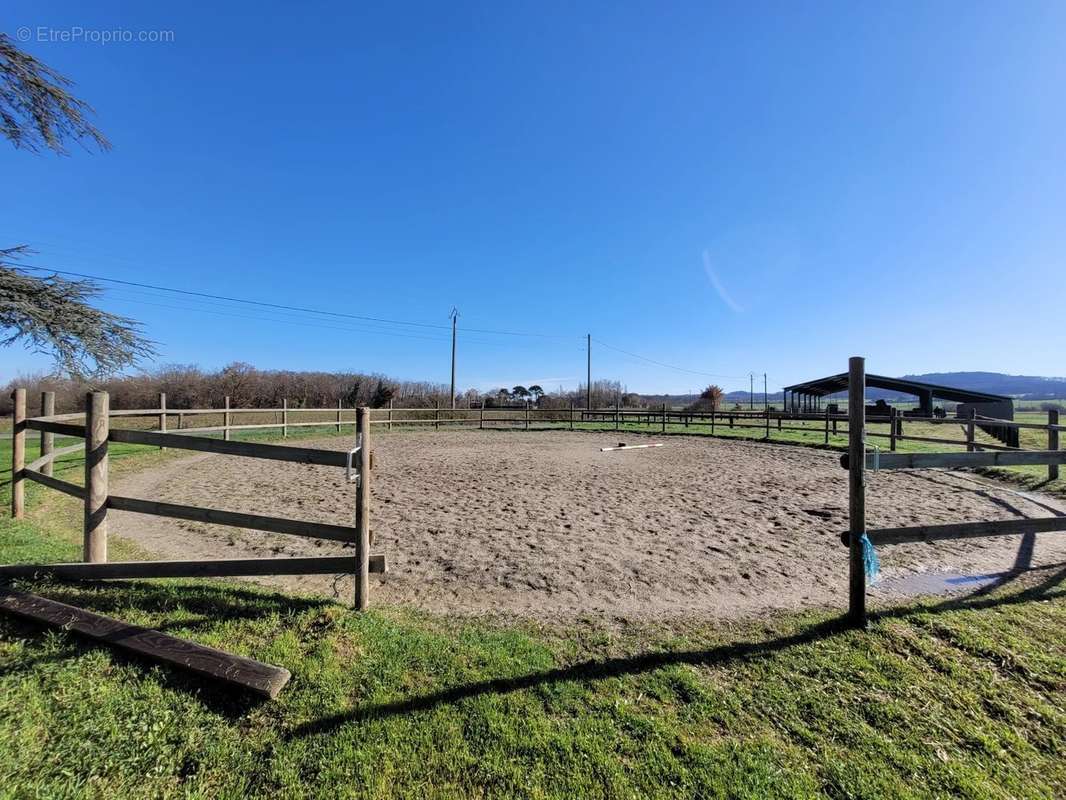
(281,306)
(340,315)
(664,364)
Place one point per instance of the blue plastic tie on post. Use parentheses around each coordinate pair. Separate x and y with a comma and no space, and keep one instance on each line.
(870,562)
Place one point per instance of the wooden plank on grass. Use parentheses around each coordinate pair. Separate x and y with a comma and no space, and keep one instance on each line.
(247,673)
(236,519)
(275,452)
(218,568)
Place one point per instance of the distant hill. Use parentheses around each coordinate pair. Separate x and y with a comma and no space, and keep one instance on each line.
(1023,387)
(1027,387)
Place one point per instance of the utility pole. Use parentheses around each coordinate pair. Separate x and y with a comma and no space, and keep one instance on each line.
(454,318)
(588,380)
(751,391)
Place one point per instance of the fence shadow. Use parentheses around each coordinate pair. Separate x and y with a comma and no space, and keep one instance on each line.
(215,605)
(631,665)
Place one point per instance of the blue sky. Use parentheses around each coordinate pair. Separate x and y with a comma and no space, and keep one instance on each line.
(725,188)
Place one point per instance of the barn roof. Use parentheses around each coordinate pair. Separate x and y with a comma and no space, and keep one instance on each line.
(839,383)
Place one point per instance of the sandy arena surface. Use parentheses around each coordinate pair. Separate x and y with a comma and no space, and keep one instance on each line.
(545,525)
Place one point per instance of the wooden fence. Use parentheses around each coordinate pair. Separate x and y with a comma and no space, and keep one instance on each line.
(859,459)
(94,426)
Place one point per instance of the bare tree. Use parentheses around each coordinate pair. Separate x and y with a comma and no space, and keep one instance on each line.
(36,110)
(712,396)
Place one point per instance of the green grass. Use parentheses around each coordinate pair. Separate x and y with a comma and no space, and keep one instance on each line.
(943,699)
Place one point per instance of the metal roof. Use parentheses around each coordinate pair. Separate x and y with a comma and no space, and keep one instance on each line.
(839,383)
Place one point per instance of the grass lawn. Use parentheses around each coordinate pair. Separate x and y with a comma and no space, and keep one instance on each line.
(942,699)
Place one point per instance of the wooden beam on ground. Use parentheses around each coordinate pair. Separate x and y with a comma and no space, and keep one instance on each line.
(275,452)
(246,673)
(962,530)
(218,568)
(624,446)
(235,519)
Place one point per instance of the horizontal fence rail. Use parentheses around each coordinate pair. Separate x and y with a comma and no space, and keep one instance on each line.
(234,519)
(217,568)
(93,426)
(276,452)
(1011,458)
(961,530)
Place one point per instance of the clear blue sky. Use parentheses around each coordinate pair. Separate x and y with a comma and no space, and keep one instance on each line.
(727,188)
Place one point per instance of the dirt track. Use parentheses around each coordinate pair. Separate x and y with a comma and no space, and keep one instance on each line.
(545,525)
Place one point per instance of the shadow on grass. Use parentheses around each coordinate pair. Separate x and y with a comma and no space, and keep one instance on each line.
(211,605)
(630,665)
(216,605)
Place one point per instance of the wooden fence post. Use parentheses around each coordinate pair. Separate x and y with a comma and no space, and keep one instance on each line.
(225,419)
(481,417)
(284,418)
(436,416)
(97,406)
(48,408)
(1052,442)
(970,430)
(162,414)
(340,405)
(527,415)
(856,489)
(390,415)
(616,415)
(767,412)
(827,426)
(713,412)
(18,454)
(892,429)
(664,417)
(362,510)
(571,415)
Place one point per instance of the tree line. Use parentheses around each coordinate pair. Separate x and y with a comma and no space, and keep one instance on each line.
(189,386)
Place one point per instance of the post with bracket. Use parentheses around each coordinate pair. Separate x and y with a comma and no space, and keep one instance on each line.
(971,417)
(362,508)
(856,489)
